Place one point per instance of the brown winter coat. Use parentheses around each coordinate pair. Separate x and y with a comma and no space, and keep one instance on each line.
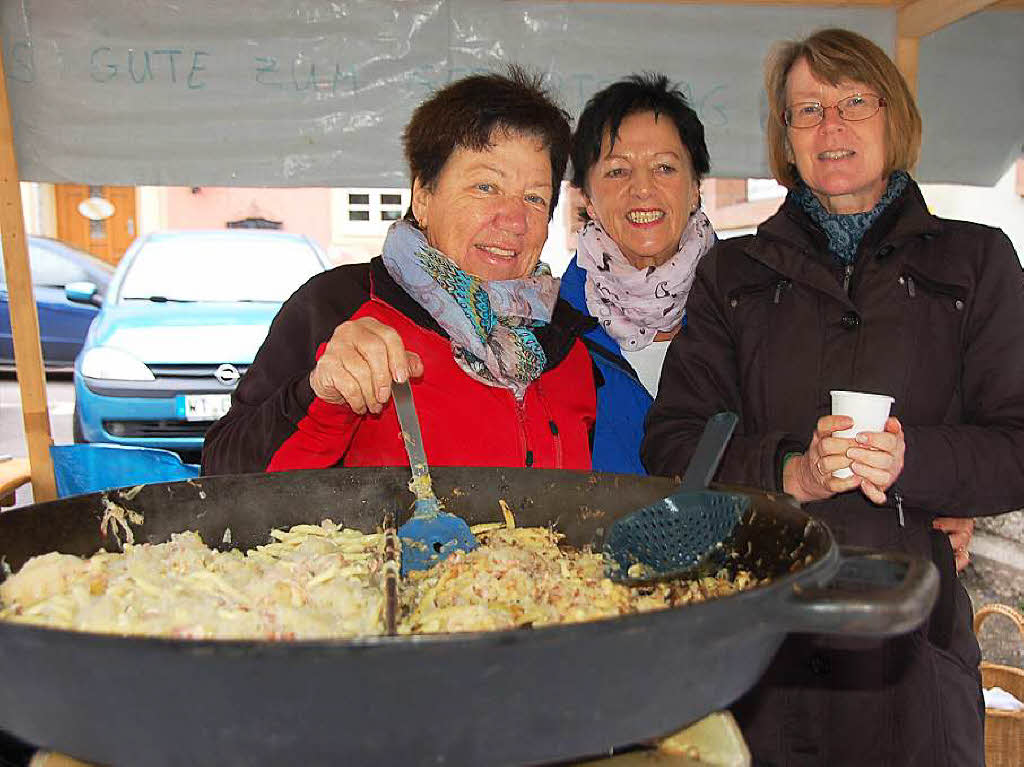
(933,314)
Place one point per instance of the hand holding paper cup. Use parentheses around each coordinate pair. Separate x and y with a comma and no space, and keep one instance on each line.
(868,411)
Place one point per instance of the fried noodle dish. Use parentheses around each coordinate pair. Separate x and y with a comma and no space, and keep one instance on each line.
(326,582)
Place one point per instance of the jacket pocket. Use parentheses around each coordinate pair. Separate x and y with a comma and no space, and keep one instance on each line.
(935,313)
(751,295)
(918,284)
(753,309)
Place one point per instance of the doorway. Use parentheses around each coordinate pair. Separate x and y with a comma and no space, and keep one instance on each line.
(97,219)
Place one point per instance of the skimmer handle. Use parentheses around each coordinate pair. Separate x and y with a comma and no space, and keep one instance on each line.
(710,448)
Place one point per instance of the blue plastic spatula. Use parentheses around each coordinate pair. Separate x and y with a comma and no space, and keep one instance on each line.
(673,537)
(430,535)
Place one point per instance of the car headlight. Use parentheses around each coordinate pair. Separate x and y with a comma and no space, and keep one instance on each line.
(109,363)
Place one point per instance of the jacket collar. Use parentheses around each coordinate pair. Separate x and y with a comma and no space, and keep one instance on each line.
(557,338)
(804,254)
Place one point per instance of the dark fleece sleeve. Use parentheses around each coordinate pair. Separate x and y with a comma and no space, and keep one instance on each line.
(275,422)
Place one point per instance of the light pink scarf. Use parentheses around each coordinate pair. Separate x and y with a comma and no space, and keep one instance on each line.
(633,305)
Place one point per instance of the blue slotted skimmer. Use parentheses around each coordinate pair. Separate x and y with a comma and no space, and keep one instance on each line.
(674,537)
(430,535)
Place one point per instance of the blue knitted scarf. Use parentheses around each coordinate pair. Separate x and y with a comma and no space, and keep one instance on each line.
(846,230)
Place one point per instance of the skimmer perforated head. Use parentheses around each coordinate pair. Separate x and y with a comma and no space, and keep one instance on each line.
(674,536)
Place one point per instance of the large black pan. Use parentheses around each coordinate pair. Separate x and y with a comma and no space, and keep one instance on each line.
(521,696)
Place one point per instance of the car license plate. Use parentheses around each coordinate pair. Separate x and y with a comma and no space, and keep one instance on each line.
(206,407)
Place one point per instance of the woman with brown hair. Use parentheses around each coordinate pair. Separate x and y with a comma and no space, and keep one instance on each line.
(854,285)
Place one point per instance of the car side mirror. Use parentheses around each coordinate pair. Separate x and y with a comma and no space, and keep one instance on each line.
(83,293)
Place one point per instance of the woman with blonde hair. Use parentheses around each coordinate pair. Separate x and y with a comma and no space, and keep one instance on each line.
(855,285)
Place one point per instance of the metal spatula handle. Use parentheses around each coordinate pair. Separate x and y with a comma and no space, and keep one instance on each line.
(710,449)
(410,424)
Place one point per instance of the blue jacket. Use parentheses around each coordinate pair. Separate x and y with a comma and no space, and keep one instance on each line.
(622,402)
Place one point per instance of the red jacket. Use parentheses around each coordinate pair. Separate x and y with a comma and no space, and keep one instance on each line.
(276,423)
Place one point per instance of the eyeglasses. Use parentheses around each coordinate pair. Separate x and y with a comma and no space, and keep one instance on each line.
(807,114)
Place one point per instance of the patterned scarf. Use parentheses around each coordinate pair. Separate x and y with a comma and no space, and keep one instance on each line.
(632,304)
(490,323)
(846,230)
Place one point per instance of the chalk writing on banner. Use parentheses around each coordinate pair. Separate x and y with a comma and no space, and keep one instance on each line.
(302,73)
(305,74)
(156,65)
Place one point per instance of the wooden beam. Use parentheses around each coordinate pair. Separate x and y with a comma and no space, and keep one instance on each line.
(802,3)
(906,61)
(922,17)
(28,355)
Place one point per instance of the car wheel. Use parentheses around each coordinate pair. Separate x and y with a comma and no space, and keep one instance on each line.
(76,427)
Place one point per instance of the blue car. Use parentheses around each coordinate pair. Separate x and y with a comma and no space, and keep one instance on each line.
(182,320)
(62,323)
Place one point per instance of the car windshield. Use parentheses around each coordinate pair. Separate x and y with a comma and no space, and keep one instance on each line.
(219,269)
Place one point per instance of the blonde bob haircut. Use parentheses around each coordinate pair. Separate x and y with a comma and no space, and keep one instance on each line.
(834,56)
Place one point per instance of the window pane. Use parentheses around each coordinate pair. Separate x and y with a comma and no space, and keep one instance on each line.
(50,269)
(219,268)
(359,199)
(359,215)
(390,215)
(391,199)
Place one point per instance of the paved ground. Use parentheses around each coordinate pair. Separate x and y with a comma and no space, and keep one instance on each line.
(61,396)
(987,579)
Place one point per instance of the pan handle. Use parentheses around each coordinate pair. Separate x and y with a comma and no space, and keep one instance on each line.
(873,593)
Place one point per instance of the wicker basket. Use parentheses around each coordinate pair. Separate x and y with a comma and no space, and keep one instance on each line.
(1004,730)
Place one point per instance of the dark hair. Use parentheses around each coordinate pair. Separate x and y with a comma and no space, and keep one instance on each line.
(647,92)
(466,113)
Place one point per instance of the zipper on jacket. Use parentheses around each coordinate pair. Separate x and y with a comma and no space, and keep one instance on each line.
(897,498)
(847,275)
(524,443)
(915,283)
(772,287)
(556,437)
(558,444)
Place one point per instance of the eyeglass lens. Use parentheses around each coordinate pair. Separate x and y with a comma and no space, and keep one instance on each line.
(859,106)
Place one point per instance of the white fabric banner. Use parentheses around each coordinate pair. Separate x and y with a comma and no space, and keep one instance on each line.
(316,93)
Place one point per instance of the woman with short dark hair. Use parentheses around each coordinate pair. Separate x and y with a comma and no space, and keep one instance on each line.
(855,285)
(638,157)
(458,302)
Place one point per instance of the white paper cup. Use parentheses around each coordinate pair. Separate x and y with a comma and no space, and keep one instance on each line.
(868,411)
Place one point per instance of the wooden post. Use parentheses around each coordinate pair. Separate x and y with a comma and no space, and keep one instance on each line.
(28,354)
(919,18)
(906,61)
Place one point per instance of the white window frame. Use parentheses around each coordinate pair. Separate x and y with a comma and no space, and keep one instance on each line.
(375,226)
